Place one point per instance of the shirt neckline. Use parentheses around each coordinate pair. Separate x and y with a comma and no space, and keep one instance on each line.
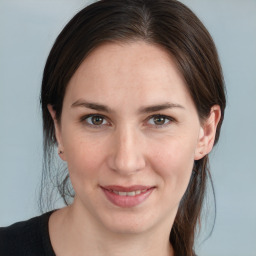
(44,227)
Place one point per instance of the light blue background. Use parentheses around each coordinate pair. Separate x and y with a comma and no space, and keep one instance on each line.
(28,30)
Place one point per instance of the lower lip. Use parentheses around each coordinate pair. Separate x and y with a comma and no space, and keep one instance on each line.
(127,201)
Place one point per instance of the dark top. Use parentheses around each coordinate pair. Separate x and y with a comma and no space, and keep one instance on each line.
(27,238)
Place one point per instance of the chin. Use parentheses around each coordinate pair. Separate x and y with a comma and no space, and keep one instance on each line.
(130,223)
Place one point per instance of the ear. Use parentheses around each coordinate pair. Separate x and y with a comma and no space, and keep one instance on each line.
(57,132)
(207,133)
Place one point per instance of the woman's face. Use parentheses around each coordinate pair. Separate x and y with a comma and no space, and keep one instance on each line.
(130,134)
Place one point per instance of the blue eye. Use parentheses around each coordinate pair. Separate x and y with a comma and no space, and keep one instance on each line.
(95,120)
(159,120)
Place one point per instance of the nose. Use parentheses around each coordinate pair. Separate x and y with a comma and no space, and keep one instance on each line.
(127,154)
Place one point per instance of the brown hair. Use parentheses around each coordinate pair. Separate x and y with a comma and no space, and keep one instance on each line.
(168,24)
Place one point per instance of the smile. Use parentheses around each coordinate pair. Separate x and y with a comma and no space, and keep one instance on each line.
(132,193)
(127,196)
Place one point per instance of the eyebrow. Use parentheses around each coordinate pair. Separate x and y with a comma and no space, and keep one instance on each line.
(104,108)
(91,105)
(160,107)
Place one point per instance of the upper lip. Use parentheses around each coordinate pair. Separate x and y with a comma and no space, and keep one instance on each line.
(126,189)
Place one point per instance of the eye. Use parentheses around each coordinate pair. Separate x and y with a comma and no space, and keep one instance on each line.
(159,120)
(95,120)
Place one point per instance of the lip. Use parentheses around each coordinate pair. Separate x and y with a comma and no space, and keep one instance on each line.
(126,189)
(127,201)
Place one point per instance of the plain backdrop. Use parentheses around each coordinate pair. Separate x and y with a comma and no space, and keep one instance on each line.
(27,32)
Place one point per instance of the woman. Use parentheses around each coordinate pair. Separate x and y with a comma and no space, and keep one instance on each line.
(133,99)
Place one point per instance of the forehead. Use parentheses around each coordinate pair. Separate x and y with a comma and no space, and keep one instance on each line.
(125,58)
(128,69)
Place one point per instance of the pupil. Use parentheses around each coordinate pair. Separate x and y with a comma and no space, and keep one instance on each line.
(97,120)
(159,120)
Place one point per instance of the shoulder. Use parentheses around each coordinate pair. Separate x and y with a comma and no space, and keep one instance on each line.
(28,237)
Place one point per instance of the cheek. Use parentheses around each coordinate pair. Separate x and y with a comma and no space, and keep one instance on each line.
(174,163)
(84,159)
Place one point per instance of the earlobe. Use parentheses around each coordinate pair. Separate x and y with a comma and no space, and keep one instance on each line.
(57,131)
(207,133)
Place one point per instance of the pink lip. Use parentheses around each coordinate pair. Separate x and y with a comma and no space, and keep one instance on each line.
(126,189)
(127,201)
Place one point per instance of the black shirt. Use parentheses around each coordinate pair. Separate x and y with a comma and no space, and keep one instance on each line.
(27,238)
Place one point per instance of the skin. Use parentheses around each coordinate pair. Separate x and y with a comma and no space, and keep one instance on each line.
(130,147)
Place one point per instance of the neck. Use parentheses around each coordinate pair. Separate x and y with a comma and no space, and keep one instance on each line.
(81,235)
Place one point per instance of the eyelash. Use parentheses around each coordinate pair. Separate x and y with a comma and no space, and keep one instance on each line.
(169,120)
(166,118)
(84,120)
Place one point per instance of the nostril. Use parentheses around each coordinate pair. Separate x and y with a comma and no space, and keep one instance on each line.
(128,163)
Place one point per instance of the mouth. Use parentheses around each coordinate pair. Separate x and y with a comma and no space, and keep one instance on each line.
(127,196)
